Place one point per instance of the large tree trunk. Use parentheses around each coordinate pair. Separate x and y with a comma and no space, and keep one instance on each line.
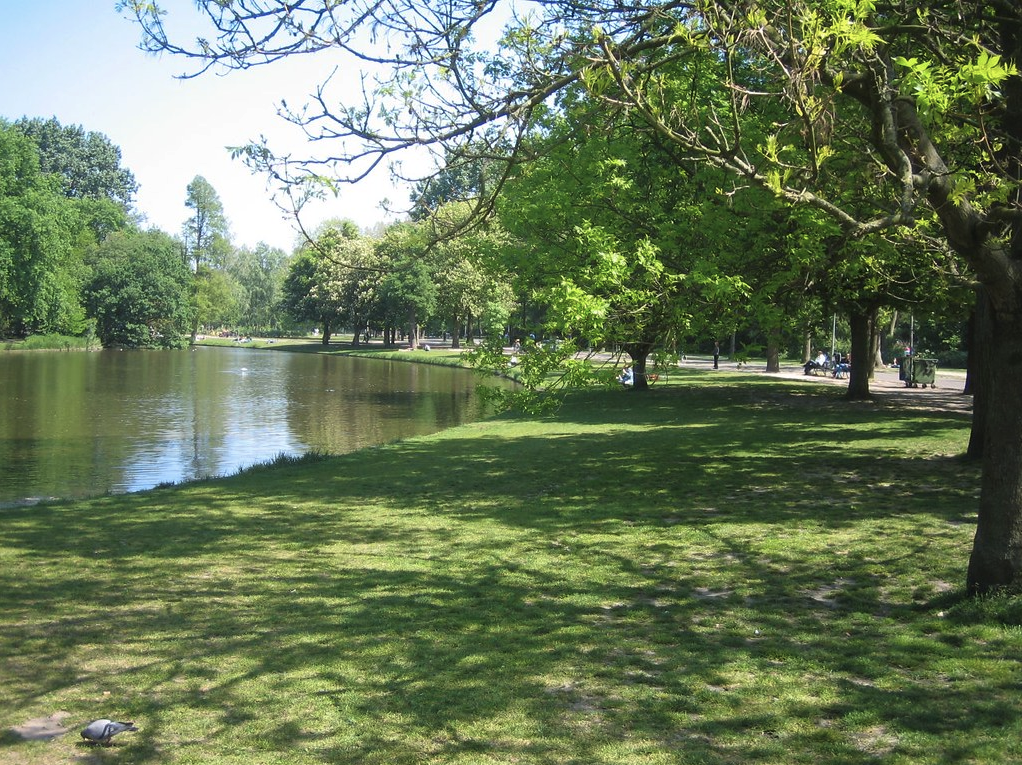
(971,357)
(326,332)
(996,559)
(413,330)
(862,366)
(979,364)
(455,333)
(638,353)
(773,351)
(875,345)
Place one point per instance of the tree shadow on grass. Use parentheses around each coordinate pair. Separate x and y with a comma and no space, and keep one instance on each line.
(695,580)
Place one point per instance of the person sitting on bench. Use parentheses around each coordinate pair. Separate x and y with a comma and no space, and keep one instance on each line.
(842,365)
(820,362)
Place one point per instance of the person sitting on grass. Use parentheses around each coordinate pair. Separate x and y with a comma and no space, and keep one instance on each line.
(626,377)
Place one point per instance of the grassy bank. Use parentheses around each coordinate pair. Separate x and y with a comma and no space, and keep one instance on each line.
(725,570)
(436,356)
(50,343)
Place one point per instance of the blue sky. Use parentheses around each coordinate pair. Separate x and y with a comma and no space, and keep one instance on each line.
(78,61)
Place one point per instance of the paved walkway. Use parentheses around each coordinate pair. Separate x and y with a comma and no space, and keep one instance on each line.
(885,385)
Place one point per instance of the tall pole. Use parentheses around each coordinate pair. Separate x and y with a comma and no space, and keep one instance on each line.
(833,336)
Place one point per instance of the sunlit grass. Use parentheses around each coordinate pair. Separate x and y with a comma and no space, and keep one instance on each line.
(50,342)
(739,571)
(437,356)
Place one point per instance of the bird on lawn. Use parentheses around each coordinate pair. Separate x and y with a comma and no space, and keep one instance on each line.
(101,731)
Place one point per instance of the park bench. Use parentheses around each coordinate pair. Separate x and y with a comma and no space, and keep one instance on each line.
(828,367)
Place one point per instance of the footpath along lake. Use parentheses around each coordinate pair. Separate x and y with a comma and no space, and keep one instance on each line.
(79,424)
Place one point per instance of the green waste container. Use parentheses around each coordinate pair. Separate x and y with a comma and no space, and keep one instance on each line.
(915,372)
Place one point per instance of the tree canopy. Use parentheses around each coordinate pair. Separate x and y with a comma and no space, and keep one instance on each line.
(88,163)
(139,292)
(41,260)
(206,232)
(88,166)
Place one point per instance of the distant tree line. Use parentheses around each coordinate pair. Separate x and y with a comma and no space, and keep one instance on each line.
(399,284)
(76,258)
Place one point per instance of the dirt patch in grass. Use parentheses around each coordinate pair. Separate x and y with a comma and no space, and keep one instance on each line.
(42,728)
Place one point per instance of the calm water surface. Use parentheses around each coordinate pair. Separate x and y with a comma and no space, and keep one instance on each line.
(79,424)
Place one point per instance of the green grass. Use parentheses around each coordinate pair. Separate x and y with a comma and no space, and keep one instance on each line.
(435,356)
(724,570)
(50,343)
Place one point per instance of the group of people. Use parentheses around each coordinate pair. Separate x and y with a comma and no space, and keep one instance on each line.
(839,366)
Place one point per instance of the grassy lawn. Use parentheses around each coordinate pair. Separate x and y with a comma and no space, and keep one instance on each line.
(727,569)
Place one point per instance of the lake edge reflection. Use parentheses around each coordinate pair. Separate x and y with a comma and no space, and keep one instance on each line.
(75,425)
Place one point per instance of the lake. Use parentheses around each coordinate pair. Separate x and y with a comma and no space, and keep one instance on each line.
(79,424)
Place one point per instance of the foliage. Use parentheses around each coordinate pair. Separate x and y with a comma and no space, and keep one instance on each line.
(468,98)
(407,293)
(461,182)
(333,280)
(62,190)
(299,299)
(139,292)
(206,234)
(471,277)
(409,274)
(87,163)
(621,247)
(217,297)
(53,342)
(545,373)
(259,274)
(89,168)
(41,270)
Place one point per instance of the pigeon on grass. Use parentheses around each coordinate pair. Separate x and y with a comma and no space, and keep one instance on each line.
(101,731)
